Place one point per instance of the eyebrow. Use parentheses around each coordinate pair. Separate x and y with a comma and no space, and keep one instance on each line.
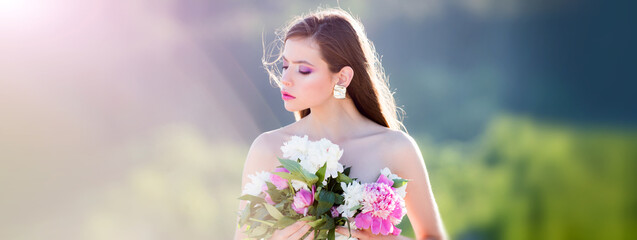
(297,62)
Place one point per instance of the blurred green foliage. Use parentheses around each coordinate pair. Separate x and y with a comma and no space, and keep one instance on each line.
(188,191)
(529,179)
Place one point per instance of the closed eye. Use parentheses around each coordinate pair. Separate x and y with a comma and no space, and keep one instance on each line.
(304,70)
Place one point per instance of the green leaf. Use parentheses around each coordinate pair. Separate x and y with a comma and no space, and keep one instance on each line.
(325,202)
(270,185)
(339,199)
(288,176)
(284,222)
(321,234)
(273,211)
(275,194)
(308,218)
(260,213)
(252,198)
(399,182)
(329,223)
(316,224)
(260,230)
(331,235)
(245,214)
(311,210)
(268,223)
(296,169)
(318,193)
(346,170)
(321,173)
(354,208)
(291,165)
(341,221)
(343,178)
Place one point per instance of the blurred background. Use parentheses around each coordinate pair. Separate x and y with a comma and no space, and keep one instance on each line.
(132,119)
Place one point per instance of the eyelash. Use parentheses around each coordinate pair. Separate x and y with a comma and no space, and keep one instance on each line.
(301,72)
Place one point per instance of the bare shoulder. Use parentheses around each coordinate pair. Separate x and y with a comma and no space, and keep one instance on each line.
(258,154)
(265,149)
(261,146)
(262,153)
(398,141)
(399,138)
(401,152)
(271,139)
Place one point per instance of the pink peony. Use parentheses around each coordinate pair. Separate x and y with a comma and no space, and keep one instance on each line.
(279,182)
(303,200)
(381,208)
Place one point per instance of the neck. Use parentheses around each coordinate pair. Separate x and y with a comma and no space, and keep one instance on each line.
(336,120)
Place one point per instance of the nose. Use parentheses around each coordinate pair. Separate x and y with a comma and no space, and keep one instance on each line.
(285,80)
(286,83)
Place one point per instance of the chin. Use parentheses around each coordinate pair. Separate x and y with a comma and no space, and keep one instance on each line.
(291,109)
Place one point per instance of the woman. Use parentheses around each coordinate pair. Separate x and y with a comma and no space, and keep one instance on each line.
(333,82)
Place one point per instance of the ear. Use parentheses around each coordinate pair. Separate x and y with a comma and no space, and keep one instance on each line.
(344,77)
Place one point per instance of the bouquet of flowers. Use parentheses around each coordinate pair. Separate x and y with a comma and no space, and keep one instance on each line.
(311,185)
(378,206)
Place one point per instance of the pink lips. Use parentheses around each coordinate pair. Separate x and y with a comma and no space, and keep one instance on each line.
(286,96)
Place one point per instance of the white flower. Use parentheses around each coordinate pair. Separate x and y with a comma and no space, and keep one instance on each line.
(314,154)
(332,155)
(295,148)
(315,158)
(345,211)
(297,185)
(353,196)
(402,191)
(255,186)
(323,152)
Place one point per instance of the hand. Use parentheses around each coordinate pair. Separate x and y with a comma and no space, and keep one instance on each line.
(365,234)
(355,233)
(293,232)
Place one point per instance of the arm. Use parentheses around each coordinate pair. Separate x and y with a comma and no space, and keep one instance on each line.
(258,159)
(261,158)
(407,162)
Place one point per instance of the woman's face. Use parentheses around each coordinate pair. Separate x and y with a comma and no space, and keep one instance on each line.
(306,76)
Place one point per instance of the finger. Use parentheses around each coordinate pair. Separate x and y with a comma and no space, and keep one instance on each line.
(311,236)
(344,231)
(300,232)
(283,233)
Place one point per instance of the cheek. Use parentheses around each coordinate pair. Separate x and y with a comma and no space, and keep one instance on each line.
(318,87)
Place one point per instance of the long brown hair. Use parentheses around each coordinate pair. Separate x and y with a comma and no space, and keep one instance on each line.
(342,42)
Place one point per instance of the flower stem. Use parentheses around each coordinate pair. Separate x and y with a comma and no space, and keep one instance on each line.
(264,222)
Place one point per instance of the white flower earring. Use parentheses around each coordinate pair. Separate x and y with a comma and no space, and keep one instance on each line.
(339,91)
